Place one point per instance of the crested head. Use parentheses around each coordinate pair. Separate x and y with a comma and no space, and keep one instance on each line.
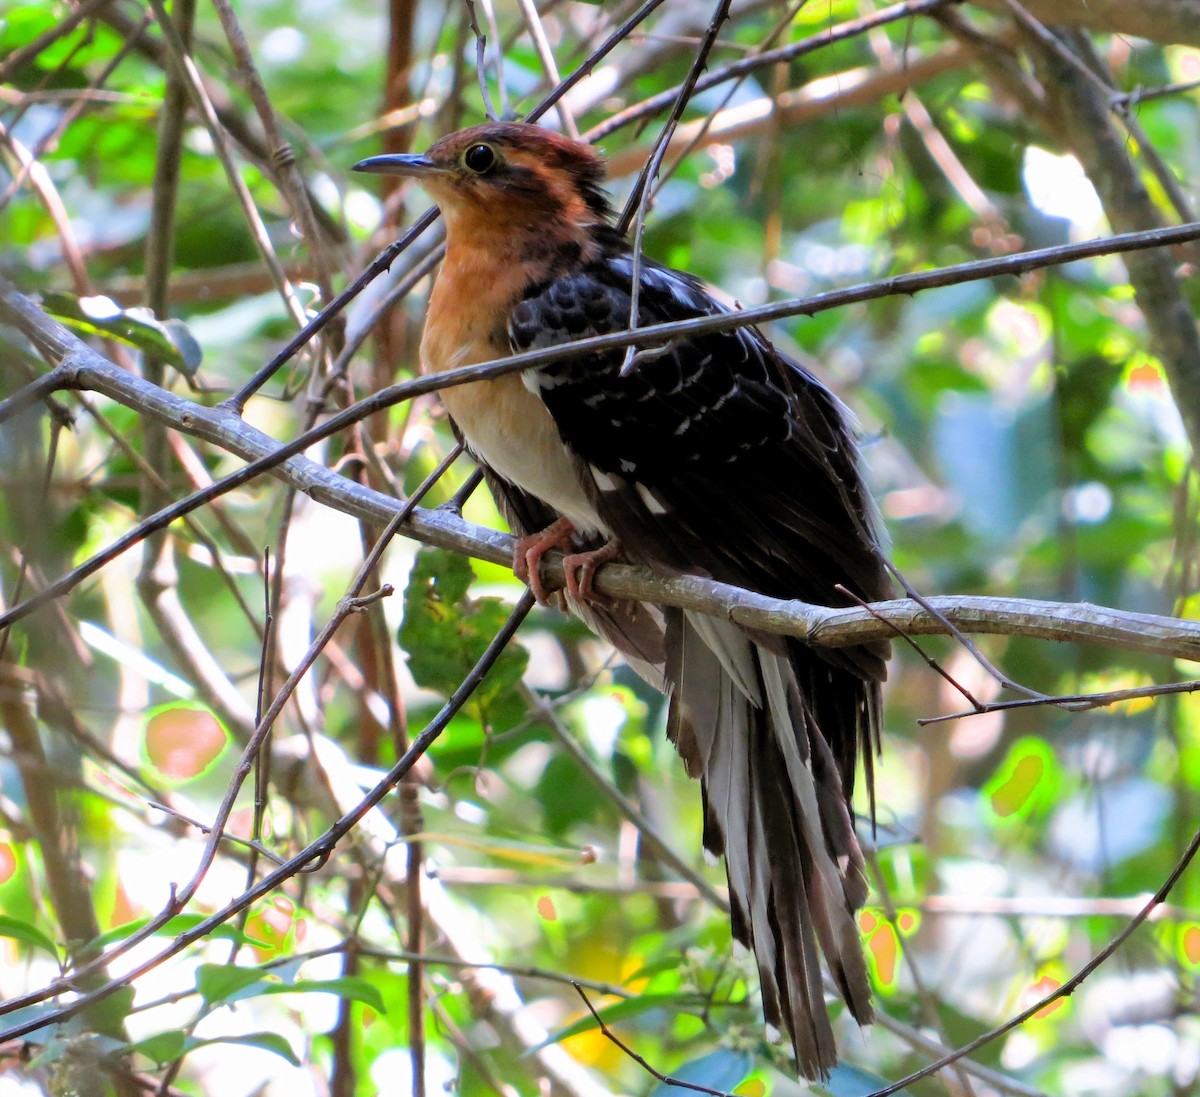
(508,177)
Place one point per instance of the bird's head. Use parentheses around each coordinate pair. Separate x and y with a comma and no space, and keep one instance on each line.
(505,178)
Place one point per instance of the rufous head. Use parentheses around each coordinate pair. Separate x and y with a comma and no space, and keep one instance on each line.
(506,175)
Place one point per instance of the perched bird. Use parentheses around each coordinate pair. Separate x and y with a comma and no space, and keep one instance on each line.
(712,455)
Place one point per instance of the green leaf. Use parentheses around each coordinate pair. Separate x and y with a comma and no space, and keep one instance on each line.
(530,854)
(162,1047)
(268,1041)
(30,934)
(165,1047)
(225,984)
(350,987)
(180,924)
(20,1017)
(445,632)
(217,983)
(670,962)
(169,341)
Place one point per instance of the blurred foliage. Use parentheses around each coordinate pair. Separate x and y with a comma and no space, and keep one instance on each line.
(1020,435)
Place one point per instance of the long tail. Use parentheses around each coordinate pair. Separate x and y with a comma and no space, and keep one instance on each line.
(747,716)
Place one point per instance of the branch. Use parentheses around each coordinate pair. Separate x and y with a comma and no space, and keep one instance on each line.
(819,98)
(492,988)
(1164,21)
(312,857)
(766,59)
(818,625)
(1066,989)
(1080,114)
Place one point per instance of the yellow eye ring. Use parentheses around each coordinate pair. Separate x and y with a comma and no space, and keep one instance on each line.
(479,159)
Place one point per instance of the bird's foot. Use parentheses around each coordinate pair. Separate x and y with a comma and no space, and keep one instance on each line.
(528,552)
(579,568)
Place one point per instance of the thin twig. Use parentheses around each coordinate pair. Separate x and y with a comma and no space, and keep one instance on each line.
(971,647)
(925,657)
(350,603)
(312,856)
(667,1079)
(481,62)
(648,831)
(283,156)
(1066,989)
(852,28)
(97,373)
(181,60)
(1117,104)
(1072,702)
(541,45)
(639,199)
(62,27)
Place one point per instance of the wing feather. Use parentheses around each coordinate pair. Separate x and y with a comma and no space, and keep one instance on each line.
(717,455)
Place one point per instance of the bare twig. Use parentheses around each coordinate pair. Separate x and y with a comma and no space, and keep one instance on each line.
(181,60)
(646,829)
(541,44)
(1072,702)
(481,62)
(312,856)
(1066,989)
(62,27)
(816,624)
(639,199)
(655,1073)
(852,28)
(283,156)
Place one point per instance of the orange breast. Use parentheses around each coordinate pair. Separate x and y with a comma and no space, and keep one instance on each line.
(505,424)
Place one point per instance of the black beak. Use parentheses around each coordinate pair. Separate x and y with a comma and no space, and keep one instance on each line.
(410,164)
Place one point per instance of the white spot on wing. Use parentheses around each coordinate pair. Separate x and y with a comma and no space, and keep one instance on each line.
(537,380)
(603,481)
(653,503)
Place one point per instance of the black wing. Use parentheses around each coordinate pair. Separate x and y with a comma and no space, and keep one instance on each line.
(717,455)
(716,428)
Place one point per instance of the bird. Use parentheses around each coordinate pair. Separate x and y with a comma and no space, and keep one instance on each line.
(712,454)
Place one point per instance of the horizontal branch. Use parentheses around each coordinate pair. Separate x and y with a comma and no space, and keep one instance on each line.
(765,59)
(653,335)
(818,98)
(818,625)
(1162,21)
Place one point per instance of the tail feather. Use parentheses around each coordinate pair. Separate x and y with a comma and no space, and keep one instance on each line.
(693,729)
(791,920)
(776,805)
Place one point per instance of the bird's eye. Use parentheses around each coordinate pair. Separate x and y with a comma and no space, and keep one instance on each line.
(480,159)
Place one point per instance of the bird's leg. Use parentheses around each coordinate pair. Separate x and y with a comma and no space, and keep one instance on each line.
(579,568)
(528,552)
